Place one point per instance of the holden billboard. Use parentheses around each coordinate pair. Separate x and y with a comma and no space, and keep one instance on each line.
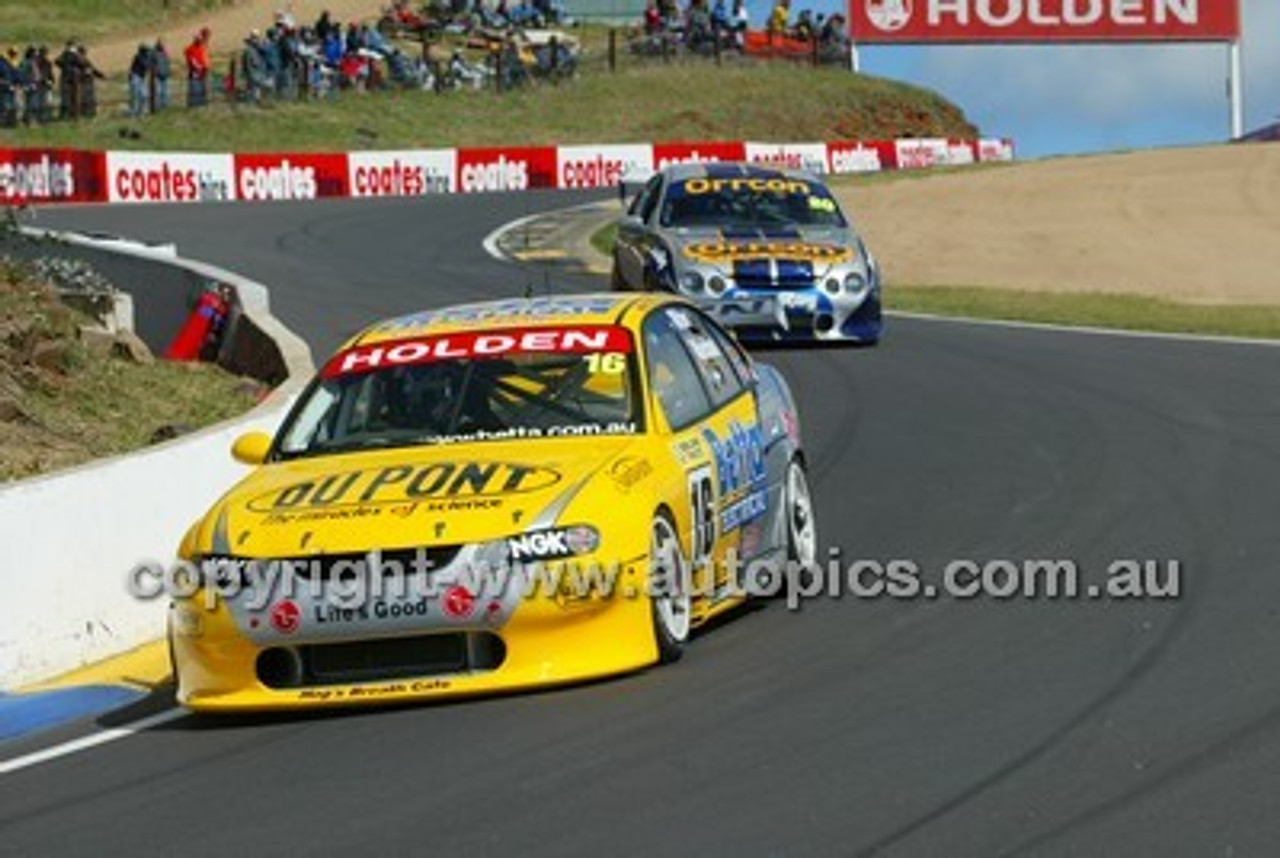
(978,21)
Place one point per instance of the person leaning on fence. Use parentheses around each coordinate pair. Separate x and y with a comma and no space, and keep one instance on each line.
(89,75)
(197,59)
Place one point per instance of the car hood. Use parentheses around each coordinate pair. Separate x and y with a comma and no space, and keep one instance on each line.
(725,246)
(403,498)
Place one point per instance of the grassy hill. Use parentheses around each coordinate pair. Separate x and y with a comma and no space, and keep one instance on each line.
(694,100)
(52,22)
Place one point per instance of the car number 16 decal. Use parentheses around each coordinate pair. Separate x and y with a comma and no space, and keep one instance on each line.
(702,509)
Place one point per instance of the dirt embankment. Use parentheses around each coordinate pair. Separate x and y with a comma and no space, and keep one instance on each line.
(230,26)
(1195,225)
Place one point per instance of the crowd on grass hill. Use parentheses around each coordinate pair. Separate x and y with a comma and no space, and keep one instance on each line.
(703,29)
(444,44)
(28,81)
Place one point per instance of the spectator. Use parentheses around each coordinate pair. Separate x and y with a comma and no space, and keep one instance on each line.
(160,67)
(197,59)
(779,18)
(697,26)
(833,39)
(10,77)
(139,71)
(38,74)
(68,64)
(741,22)
(652,18)
(803,30)
(253,66)
(720,20)
(89,74)
(325,26)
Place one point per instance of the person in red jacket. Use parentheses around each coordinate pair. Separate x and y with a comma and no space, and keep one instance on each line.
(197,57)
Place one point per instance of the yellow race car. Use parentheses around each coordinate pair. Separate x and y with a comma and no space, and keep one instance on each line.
(494,496)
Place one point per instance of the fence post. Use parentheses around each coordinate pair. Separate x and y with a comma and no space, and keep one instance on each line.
(715,40)
(231,79)
(813,40)
(613,49)
(554,45)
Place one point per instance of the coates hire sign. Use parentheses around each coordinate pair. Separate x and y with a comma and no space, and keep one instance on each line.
(922,21)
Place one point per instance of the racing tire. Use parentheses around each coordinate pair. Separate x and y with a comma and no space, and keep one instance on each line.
(802,528)
(670,583)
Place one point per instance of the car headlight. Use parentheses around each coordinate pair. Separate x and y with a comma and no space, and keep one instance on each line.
(692,281)
(854,282)
(831,286)
(717,285)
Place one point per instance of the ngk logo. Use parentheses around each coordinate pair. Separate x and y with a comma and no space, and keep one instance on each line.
(539,545)
(283,182)
(499,175)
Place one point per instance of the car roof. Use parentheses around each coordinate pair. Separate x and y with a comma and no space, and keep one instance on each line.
(557,310)
(735,170)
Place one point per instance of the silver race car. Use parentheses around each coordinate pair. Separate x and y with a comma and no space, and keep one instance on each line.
(766,251)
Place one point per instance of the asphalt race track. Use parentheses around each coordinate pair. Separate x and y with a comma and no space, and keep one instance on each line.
(853,726)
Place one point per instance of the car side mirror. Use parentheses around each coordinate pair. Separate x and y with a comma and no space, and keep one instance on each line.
(251,448)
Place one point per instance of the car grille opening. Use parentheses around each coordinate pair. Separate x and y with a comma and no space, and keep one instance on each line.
(327,567)
(380,659)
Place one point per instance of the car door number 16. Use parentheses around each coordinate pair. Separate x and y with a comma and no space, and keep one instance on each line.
(702,509)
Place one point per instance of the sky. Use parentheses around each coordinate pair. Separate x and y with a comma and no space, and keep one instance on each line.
(1072,99)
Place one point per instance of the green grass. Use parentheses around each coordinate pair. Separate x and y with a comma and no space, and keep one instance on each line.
(1093,309)
(52,22)
(62,404)
(769,101)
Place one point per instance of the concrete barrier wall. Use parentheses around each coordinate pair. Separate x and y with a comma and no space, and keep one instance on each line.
(68,541)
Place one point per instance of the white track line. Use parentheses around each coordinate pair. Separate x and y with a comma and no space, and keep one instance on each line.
(91,741)
(490,242)
(1084,329)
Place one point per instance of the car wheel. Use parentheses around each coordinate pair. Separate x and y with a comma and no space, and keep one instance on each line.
(802,529)
(669,597)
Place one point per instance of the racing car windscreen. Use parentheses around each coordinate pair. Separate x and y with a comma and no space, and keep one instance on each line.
(469,386)
(749,202)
